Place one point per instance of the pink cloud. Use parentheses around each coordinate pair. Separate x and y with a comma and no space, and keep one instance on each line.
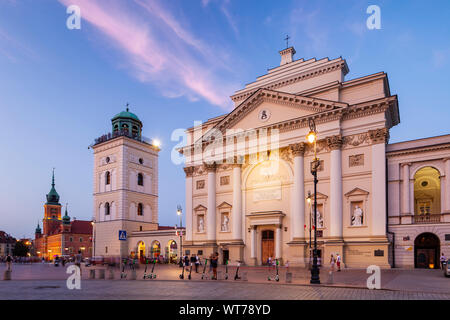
(154,57)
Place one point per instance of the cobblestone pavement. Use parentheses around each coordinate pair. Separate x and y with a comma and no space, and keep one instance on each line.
(197,290)
(347,284)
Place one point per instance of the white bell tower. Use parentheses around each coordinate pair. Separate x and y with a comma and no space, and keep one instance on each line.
(125,185)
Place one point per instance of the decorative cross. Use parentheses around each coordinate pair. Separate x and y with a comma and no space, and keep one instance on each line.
(287,41)
(128,106)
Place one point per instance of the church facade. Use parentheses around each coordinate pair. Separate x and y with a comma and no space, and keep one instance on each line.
(248,173)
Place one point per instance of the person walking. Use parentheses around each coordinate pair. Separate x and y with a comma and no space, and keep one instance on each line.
(8,262)
(338,262)
(332,262)
(443,259)
(197,263)
(214,260)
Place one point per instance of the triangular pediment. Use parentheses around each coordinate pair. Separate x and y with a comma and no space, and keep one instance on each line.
(319,196)
(266,107)
(224,205)
(357,192)
(200,208)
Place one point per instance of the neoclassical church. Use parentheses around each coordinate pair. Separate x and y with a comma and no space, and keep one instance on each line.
(249,186)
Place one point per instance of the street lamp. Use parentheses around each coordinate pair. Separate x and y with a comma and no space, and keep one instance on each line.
(179,213)
(312,139)
(308,199)
(93,227)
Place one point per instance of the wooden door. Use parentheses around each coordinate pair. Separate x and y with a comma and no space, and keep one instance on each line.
(267,246)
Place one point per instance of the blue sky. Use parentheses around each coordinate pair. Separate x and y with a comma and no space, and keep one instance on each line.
(176,62)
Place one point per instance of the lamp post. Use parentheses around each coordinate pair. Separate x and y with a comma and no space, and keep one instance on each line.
(93,227)
(308,199)
(179,212)
(312,139)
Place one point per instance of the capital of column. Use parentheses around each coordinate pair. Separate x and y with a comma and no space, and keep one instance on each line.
(189,171)
(298,149)
(405,164)
(210,167)
(379,135)
(334,142)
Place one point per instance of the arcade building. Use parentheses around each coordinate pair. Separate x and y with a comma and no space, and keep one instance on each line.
(61,236)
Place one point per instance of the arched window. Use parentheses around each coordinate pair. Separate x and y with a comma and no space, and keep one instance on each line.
(135,131)
(107,178)
(140,209)
(107,209)
(427,195)
(140,181)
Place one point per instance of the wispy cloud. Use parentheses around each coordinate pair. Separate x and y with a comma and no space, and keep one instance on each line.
(159,48)
(13,49)
(225,8)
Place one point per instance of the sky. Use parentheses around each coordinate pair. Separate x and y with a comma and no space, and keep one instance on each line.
(178,61)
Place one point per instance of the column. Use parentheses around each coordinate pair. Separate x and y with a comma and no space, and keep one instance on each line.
(278,242)
(405,190)
(236,217)
(336,223)
(298,192)
(443,188)
(379,139)
(253,242)
(447,184)
(211,218)
(189,173)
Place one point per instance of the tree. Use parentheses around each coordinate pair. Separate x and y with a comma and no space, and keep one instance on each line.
(20,249)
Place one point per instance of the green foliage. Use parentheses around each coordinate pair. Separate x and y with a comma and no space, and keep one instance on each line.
(20,250)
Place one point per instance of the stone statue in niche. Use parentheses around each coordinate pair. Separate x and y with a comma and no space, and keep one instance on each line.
(225,222)
(357,217)
(201,227)
(319,219)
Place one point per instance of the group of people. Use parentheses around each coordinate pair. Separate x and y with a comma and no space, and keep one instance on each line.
(194,260)
(335,261)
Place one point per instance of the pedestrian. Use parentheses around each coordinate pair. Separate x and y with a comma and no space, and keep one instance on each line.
(210,262)
(186,261)
(269,262)
(214,259)
(8,262)
(332,262)
(338,262)
(287,265)
(443,259)
(197,263)
(193,259)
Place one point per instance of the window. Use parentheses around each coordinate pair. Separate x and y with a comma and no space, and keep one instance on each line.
(424,207)
(81,239)
(140,179)
(106,249)
(107,209)
(141,161)
(107,178)
(140,210)
(140,228)
(71,239)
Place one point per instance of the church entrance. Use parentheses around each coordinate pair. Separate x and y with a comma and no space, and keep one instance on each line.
(267,246)
(141,251)
(426,251)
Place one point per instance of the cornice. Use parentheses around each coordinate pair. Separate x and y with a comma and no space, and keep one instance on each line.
(320,70)
(418,150)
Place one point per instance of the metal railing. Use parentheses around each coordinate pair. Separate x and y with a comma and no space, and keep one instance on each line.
(121,133)
(427,218)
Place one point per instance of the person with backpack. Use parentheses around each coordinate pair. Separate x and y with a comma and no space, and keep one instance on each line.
(214,259)
(197,263)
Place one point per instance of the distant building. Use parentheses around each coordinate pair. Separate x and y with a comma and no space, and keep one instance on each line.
(7,244)
(60,235)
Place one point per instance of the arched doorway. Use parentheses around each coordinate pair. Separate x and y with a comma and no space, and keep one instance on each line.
(267,245)
(141,251)
(156,249)
(427,195)
(173,251)
(426,251)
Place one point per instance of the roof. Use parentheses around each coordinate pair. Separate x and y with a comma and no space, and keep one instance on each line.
(126,114)
(81,227)
(168,228)
(6,238)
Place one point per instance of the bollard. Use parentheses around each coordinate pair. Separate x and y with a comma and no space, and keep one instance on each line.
(101,273)
(244,276)
(133,274)
(7,275)
(92,274)
(330,277)
(110,274)
(288,277)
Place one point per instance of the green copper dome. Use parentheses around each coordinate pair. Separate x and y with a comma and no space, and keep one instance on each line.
(127,124)
(53,196)
(126,115)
